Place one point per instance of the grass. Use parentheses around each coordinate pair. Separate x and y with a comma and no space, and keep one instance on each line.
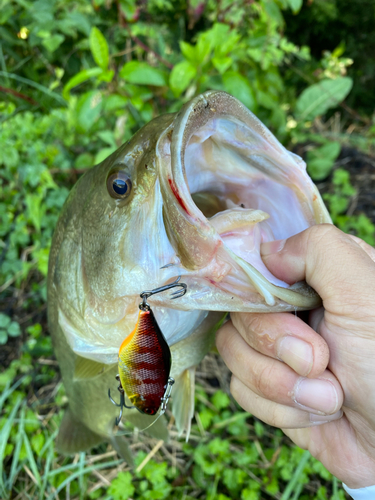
(230,455)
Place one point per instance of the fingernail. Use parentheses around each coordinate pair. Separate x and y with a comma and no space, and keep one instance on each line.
(317,395)
(325,419)
(296,353)
(270,247)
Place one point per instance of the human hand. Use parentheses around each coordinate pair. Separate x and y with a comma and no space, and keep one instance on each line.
(318,387)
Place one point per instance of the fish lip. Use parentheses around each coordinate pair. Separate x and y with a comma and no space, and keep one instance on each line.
(174,180)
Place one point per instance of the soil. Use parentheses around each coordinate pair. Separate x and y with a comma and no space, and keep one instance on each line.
(362,176)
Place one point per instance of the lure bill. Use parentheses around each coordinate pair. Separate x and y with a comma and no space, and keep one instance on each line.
(144,362)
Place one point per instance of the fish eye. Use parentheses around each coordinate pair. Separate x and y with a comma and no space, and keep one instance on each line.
(119,185)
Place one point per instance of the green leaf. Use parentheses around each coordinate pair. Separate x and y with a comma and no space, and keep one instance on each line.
(106,76)
(79,78)
(14,329)
(88,109)
(142,73)
(129,8)
(4,320)
(321,160)
(122,488)
(250,494)
(295,5)
(233,478)
(41,256)
(203,48)
(115,101)
(181,76)
(37,443)
(53,42)
(35,209)
(318,98)
(259,428)
(239,87)
(99,48)
(188,51)
(220,400)
(222,63)
(3,337)
(102,154)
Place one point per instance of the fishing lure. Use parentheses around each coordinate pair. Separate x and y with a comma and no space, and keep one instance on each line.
(145,360)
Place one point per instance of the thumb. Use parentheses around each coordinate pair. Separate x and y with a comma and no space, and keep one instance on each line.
(332,262)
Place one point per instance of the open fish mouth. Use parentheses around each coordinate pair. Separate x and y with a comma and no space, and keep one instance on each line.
(228,185)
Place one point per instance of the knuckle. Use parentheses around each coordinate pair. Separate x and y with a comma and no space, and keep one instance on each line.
(251,326)
(264,380)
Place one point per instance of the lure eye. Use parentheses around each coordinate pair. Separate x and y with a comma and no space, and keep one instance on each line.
(119,185)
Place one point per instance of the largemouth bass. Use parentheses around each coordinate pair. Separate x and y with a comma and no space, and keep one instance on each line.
(199,189)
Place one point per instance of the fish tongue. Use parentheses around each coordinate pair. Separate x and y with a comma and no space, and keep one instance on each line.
(242,235)
(234,219)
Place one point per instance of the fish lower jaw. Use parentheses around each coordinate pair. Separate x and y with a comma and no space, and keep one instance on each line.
(231,283)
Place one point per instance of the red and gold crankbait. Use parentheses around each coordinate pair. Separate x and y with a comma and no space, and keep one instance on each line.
(145,360)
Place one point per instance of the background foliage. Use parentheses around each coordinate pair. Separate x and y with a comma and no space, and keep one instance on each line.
(77,79)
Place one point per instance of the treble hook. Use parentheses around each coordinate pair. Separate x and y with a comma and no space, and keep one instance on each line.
(175,295)
(122,404)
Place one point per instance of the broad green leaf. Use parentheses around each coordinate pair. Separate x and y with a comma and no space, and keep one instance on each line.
(222,63)
(14,329)
(99,48)
(106,76)
(115,101)
(108,137)
(203,48)
(266,100)
(37,442)
(53,42)
(102,154)
(233,478)
(142,73)
(218,36)
(121,487)
(248,494)
(239,87)
(181,76)
(321,160)
(318,98)
(129,8)
(220,400)
(4,320)
(35,209)
(3,337)
(295,5)
(41,255)
(79,78)
(188,51)
(88,110)
(273,11)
